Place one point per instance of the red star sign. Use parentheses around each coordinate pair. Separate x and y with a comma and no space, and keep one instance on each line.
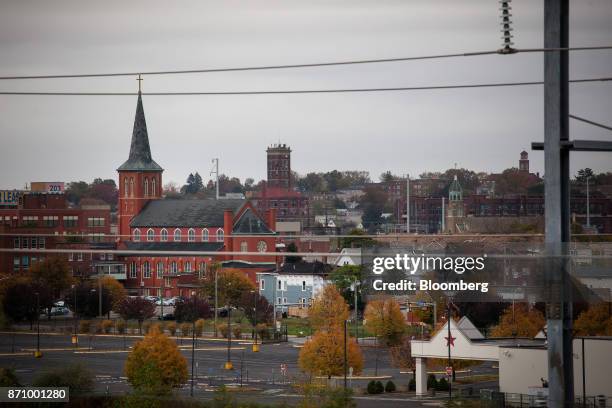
(450,340)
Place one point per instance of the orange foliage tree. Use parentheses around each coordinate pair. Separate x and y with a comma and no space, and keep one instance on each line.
(595,321)
(323,354)
(385,320)
(523,322)
(156,365)
(329,310)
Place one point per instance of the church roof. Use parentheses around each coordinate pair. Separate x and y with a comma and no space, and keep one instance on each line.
(185,213)
(455,186)
(249,223)
(140,152)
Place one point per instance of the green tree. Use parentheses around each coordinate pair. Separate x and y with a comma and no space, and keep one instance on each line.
(52,273)
(292,248)
(356,240)
(584,174)
(231,283)
(345,278)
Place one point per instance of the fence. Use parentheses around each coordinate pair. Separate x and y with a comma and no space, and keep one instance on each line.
(495,399)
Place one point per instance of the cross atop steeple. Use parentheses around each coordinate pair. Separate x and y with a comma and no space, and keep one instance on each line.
(139,79)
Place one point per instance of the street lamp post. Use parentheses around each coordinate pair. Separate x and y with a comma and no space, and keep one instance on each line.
(228,364)
(448,317)
(255,345)
(216,302)
(37,354)
(195,307)
(345,357)
(75,337)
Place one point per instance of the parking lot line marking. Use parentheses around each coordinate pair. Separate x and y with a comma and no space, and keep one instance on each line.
(15,354)
(101,351)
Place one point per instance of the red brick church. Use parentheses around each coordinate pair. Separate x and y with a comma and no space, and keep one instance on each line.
(182,236)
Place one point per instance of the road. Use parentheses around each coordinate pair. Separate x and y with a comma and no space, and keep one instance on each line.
(105,356)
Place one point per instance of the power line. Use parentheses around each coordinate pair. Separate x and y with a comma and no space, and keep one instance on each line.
(590,122)
(302,91)
(306,65)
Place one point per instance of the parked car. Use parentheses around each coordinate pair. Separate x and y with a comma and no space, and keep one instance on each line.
(60,303)
(58,311)
(151,298)
(166,316)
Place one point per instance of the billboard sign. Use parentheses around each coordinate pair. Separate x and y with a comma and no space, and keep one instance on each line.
(47,187)
(9,197)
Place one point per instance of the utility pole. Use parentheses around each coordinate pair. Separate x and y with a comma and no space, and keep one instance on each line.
(216,299)
(588,206)
(407,204)
(556,198)
(215,171)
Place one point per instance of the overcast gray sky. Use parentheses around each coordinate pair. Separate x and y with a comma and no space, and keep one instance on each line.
(79,138)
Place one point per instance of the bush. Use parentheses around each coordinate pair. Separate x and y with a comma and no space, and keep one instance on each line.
(121,325)
(442,385)
(237,331)
(199,327)
(263,333)
(390,386)
(156,365)
(222,328)
(8,378)
(106,326)
(185,329)
(432,383)
(76,377)
(171,326)
(412,385)
(84,326)
(375,387)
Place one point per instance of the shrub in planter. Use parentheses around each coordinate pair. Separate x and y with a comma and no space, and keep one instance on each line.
(199,327)
(222,328)
(236,331)
(263,333)
(185,329)
(84,326)
(390,386)
(442,385)
(171,326)
(121,325)
(375,387)
(106,326)
(432,383)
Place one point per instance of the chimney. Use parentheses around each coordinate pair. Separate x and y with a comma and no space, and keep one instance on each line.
(271,213)
(228,221)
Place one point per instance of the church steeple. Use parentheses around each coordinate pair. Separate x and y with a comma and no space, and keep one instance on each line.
(140,152)
(140,178)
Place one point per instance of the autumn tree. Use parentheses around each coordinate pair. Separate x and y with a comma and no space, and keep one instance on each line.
(519,321)
(255,305)
(323,354)
(115,289)
(53,274)
(231,284)
(401,354)
(136,308)
(595,321)
(329,310)
(384,318)
(191,310)
(155,365)
(19,302)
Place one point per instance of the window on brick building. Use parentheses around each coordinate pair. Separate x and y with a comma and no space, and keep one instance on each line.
(205,235)
(202,270)
(164,235)
(191,235)
(188,267)
(136,235)
(153,187)
(150,235)
(133,270)
(71,221)
(41,243)
(160,270)
(220,235)
(244,246)
(177,235)
(126,187)
(146,270)
(146,186)
(173,268)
